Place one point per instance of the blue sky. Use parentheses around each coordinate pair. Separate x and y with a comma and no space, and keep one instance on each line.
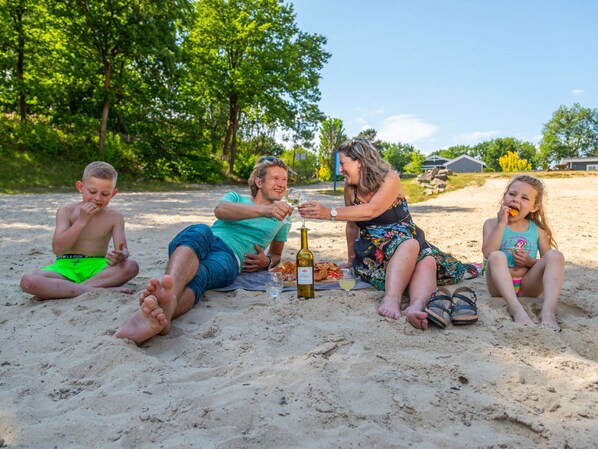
(438,73)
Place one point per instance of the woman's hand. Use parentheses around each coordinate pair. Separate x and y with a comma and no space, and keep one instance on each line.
(313,210)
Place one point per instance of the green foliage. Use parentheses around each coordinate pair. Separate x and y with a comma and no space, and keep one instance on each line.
(398,155)
(511,162)
(302,164)
(455,151)
(416,163)
(332,134)
(571,132)
(492,150)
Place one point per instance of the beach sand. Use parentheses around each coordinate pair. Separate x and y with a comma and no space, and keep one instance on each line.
(244,371)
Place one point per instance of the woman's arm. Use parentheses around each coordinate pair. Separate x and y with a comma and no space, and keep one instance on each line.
(380,201)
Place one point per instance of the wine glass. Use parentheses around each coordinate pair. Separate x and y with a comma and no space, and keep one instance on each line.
(274,284)
(304,198)
(293,199)
(347,281)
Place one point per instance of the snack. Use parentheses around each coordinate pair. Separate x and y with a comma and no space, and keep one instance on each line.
(322,271)
(513,212)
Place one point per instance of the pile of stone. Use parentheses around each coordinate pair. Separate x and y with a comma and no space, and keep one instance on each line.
(434,180)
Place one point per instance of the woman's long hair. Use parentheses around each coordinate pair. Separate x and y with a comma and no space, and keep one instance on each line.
(538,217)
(261,168)
(373,167)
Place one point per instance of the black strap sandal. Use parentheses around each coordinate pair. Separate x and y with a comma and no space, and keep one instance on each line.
(465,310)
(439,308)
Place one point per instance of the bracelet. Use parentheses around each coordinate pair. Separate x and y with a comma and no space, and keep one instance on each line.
(269,263)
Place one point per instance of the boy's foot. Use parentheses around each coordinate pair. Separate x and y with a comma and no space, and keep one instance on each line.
(126,290)
(148,321)
(389,308)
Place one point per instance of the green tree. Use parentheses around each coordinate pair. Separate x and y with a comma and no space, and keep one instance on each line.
(416,163)
(492,150)
(398,155)
(571,132)
(118,44)
(455,151)
(249,57)
(511,162)
(332,134)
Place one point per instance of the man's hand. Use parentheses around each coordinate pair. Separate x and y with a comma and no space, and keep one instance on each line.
(256,262)
(116,256)
(279,210)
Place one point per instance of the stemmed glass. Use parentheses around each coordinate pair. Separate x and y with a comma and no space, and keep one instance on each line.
(347,281)
(293,199)
(274,284)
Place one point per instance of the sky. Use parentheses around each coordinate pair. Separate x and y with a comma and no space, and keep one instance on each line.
(439,73)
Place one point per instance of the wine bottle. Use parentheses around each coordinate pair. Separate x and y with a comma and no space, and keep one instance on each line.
(305,269)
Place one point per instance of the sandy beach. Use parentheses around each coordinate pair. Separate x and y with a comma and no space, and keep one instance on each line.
(245,371)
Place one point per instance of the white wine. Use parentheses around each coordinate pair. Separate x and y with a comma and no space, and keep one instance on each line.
(305,269)
(347,283)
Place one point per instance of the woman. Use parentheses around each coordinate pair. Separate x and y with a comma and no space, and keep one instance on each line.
(384,246)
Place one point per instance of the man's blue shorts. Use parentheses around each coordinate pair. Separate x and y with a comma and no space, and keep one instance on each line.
(218,266)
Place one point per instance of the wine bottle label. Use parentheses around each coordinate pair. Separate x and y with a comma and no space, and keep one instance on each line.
(305,275)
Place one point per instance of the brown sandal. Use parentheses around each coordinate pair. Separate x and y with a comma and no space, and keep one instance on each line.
(465,310)
(439,308)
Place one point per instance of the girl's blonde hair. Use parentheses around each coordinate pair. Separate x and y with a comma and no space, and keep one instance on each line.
(260,169)
(373,167)
(539,217)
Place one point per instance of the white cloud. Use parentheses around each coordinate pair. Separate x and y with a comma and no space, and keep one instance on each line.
(405,128)
(474,137)
(578,91)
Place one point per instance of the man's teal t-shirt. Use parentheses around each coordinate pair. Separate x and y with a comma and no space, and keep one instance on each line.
(241,235)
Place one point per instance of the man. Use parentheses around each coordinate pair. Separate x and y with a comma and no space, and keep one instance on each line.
(203,257)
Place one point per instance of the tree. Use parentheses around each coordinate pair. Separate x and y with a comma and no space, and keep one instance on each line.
(492,150)
(416,163)
(332,134)
(398,155)
(116,43)
(250,57)
(455,151)
(571,132)
(511,162)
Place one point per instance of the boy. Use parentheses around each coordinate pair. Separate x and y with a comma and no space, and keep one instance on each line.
(81,239)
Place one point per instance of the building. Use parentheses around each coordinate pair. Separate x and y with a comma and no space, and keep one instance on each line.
(434,161)
(579,163)
(465,164)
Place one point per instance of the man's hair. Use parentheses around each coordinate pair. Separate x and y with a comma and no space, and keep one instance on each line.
(261,168)
(100,170)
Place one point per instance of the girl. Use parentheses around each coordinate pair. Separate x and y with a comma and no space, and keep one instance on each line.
(510,244)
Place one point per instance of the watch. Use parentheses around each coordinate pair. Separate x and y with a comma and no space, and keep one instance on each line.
(333,213)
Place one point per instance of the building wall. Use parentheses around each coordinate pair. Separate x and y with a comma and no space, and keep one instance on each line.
(465,166)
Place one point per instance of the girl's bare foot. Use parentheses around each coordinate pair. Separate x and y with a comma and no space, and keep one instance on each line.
(521,317)
(549,320)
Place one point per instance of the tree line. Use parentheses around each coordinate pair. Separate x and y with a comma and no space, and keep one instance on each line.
(189,91)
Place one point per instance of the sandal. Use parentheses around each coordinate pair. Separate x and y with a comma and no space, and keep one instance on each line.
(465,310)
(439,308)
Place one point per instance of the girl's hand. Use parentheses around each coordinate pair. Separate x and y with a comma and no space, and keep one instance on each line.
(503,214)
(522,258)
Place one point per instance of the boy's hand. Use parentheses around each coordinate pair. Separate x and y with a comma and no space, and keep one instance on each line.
(87,210)
(116,256)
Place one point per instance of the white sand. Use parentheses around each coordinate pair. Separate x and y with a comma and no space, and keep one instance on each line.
(242,371)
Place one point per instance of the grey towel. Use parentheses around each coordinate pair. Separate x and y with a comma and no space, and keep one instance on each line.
(255,282)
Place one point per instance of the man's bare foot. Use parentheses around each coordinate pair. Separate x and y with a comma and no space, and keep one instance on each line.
(390,308)
(163,291)
(416,317)
(148,321)
(549,320)
(521,317)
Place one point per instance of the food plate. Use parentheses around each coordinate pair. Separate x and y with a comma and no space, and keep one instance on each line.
(324,272)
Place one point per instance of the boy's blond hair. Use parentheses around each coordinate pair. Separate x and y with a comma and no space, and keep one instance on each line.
(100,170)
